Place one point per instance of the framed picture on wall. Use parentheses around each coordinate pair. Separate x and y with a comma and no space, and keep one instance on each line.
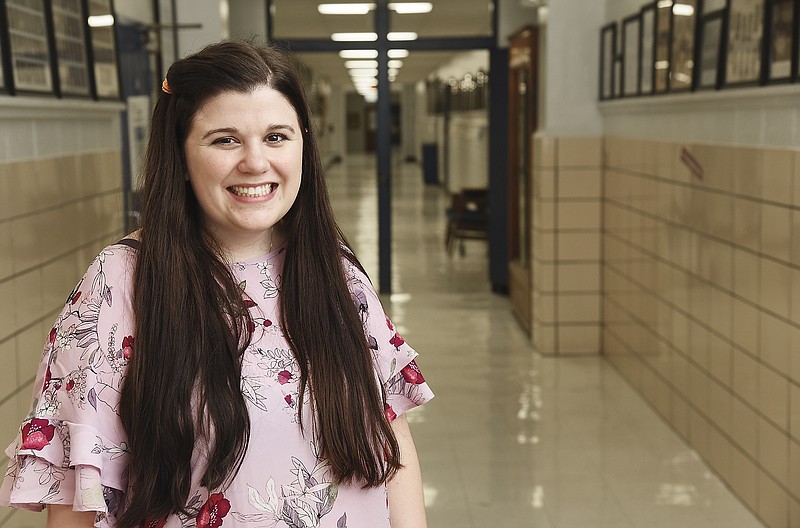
(31,67)
(70,39)
(710,51)
(781,16)
(745,32)
(662,52)
(104,49)
(631,49)
(608,50)
(648,31)
(618,76)
(682,51)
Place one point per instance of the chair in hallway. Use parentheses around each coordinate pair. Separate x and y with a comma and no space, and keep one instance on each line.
(467,218)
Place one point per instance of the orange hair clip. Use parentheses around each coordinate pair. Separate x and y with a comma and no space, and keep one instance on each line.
(165,86)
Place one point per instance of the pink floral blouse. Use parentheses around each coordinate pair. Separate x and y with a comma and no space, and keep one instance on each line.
(71,449)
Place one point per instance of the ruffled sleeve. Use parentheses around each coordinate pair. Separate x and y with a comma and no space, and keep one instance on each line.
(71,448)
(395,364)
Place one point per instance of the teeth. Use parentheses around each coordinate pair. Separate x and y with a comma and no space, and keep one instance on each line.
(262,190)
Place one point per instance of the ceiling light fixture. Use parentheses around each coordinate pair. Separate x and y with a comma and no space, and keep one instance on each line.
(345,9)
(101,21)
(363,72)
(395,63)
(395,36)
(682,10)
(396,53)
(410,8)
(361,64)
(355,37)
(360,54)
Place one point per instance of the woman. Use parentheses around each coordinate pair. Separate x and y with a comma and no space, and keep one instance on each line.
(229,364)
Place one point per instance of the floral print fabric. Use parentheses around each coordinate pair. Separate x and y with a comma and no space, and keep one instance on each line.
(71,449)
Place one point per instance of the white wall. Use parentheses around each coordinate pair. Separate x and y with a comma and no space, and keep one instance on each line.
(134,10)
(247,19)
(572,57)
(208,13)
(513,14)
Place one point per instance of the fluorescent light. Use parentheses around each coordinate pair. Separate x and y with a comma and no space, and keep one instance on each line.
(402,35)
(361,64)
(360,54)
(345,9)
(101,21)
(395,64)
(662,65)
(409,8)
(682,10)
(664,3)
(396,53)
(355,37)
(363,72)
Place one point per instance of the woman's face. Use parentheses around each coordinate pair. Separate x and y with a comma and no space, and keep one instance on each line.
(244,153)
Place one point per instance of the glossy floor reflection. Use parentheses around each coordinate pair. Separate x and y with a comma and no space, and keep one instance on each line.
(514,439)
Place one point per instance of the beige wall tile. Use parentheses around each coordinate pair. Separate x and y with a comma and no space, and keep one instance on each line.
(775,281)
(720,405)
(773,502)
(794,467)
(775,341)
(544,310)
(583,339)
(544,276)
(579,152)
(30,347)
(721,316)
(24,247)
(544,215)
(794,414)
(579,183)
(544,245)
(21,188)
(543,336)
(544,183)
(747,171)
(773,396)
(579,246)
(794,355)
(744,427)
(544,154)
(747,223)
(773,451)
(745,377)
(777,175)
(746,274)
(745,326)
(579,215)
(6,253)
(8,374)
(28,297)
(579,277)
(794,307)
(699,435)
(679,414)
(579,308)
(776,223)
(720,453)
(8,312)
(745,478)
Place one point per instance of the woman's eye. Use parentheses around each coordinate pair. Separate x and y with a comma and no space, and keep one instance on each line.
(224,141)
(275,138)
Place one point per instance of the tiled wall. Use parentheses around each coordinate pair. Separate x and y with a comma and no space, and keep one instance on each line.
(60,203)
(566,242)
(702,304)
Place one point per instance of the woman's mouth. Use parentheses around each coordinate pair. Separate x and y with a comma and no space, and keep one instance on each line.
(253,192)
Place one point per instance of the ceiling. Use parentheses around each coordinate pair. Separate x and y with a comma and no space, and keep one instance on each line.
(300,19)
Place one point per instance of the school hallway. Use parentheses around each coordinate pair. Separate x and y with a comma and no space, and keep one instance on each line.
(514,439)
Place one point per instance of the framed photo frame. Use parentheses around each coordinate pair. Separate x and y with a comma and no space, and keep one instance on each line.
(709,57)
(72,61)
(631,55)
(608,52)
(780,24)
(103,49)
(744,42)
(662,47)
(647,47)
(618,76)
(682,45)
(29,47)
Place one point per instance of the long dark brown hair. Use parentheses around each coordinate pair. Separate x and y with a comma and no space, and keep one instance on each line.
(183,382)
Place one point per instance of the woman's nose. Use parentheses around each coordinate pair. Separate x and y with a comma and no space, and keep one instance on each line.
(255,159)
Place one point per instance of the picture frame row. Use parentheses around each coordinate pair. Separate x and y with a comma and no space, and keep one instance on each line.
(674,46)
(62,48)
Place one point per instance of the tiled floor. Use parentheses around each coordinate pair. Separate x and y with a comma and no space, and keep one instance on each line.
(514,439)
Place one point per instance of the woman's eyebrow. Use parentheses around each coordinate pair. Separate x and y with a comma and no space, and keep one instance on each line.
(226,130)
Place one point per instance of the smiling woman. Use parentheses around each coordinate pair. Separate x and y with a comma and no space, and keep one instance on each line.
(230,363)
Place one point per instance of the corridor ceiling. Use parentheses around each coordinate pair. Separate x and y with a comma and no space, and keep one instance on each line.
(300,19)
